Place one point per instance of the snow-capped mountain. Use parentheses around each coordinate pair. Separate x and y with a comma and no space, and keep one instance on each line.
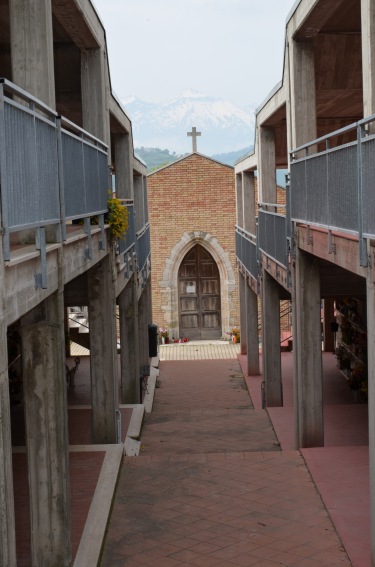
(224,126)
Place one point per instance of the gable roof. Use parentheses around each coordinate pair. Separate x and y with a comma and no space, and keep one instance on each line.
(187,156)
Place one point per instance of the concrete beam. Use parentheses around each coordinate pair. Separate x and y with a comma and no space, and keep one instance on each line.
(371,402)
(19,292)
(267,166)
(32,48)
(103,352)
(368,56)
(129,331)
(239,200)
(43,361)
(252,341)
(7,525)
(248,191)
(303,93)
(95,115)
(271,341)
(123,165)
(344,250)
(243,318)
(309,351)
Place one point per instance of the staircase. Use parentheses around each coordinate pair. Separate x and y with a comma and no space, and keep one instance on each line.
(79,331)
(78,327)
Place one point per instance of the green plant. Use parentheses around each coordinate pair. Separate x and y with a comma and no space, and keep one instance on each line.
(117,218)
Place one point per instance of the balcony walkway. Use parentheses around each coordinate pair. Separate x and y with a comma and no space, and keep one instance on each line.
(214,488)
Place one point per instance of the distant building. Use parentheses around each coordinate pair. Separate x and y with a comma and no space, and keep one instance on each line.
(192,218)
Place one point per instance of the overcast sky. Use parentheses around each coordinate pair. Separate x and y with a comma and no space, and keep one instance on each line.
(230,49)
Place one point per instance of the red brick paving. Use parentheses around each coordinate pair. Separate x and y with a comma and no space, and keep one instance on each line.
(211,487)
(84,473)
(84,466)
(340,470)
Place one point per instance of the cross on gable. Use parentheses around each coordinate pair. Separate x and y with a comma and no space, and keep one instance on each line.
(194,135)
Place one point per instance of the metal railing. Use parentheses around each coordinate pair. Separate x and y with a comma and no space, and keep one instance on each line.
(143,246)
(126,244)
(272,236)
(246,251)
(28,163)
(333,187)
(85,173)
(51,171)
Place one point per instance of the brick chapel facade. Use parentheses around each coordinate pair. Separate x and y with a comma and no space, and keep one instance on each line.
(192,211)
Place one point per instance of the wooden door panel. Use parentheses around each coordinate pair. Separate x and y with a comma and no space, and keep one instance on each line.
(188,270)
(199,295)
(189,322)
(210,286)
(188,304)
(207,270)
(211,321)
(188,287)
(211,303)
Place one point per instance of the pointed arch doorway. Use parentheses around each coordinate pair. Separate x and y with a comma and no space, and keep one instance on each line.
(199,295)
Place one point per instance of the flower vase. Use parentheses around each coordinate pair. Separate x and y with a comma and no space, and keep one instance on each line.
(163,340)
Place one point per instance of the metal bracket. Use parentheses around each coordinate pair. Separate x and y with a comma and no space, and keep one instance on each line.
(87,229)
(309,238)
(331,244)
(102,238)
(41,278)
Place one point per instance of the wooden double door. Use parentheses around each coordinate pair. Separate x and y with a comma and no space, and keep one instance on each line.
(199,296)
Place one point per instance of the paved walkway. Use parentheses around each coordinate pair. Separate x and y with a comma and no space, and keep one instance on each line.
(211,487)
(199,350)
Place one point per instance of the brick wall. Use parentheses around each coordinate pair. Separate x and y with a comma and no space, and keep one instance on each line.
(193,194)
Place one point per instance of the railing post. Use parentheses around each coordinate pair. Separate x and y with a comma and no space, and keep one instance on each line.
(362,241)
(3,180)
(61,178)
(41,278)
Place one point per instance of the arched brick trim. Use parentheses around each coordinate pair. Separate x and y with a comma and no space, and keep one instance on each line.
(168,285)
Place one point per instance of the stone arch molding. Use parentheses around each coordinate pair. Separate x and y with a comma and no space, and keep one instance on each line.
(168,285)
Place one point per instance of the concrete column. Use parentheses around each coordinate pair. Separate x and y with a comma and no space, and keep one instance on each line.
(271,341)
(249,217)
(303,92)
(309,351)
(149,302)
(129,332)
(242,298)
(143,330)
(43,362)
(328,318)
(371,401)
(32,48)
(95,116)
(267,166)
(138,202)
(145,199)
(251,300)
(368,56)
(239,200)
(124,167)
(103,352)
(7,525)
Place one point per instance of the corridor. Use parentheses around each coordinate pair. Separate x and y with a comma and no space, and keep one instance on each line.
(211,487)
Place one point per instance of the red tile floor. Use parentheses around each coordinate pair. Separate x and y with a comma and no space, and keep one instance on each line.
(85,466)
(340,469)
(211,487)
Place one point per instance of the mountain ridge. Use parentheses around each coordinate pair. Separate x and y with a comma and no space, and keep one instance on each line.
(224,126)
